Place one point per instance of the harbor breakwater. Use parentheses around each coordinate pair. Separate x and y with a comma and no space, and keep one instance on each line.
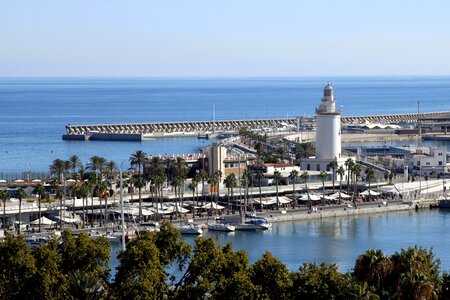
(141,131)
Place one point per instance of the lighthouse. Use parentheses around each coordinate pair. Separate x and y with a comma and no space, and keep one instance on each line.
(328,136)
(328,127)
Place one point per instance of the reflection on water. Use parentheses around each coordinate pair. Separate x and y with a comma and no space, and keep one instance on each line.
(341,240)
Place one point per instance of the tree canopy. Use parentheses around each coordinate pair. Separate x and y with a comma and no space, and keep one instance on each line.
(160,265)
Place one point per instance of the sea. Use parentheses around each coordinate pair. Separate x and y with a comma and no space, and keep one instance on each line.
(35,111)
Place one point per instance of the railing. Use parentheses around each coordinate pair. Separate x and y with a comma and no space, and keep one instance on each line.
(27,176)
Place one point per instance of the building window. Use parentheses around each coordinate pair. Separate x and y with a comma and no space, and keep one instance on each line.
(318,167)
(418,163)
(308,167)
(427,163)
(440,163)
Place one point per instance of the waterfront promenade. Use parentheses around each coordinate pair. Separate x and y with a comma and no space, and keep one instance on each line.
(285,213)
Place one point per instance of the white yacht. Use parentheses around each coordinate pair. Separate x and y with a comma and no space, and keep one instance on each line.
(221,227)
(189,229)
(253,223)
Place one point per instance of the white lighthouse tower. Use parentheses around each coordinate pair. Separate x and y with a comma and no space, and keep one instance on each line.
(328,136)
(328,124)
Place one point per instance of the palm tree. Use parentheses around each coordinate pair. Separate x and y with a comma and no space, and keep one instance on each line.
(276,178)
(84,193)
(74,192)
(203,177)
(334,166)
(349,166)
(322,176)
(93,183)
(193,186)
(111,169)
(293,176)
(102,190)
(370,176)
(212,182)
(341,172)
(180,166)
(4,195)
(218,174)
(156,166)
(197,179)
(39,190)
(356,172)
(20,195)
(373,267)
(58,168)
(230,181)
(245,181)
(73,163)
(305,177)
(139,182)
(84,285)
(176,182)
(96,164)
(138,159)
(60,195)
(260,177)
(159,181)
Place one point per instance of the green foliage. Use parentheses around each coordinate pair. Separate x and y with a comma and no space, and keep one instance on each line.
(373,267)
(17,268)
(322,281)
(76,267)
(48,281)
(217,271)
(140,274)
(415,273)
(85,254)
(271,277)
(83,285)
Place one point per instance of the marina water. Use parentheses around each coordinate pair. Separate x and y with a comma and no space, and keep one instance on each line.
(34,111)
(341,240)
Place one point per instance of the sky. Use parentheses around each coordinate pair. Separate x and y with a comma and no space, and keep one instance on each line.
(229,38)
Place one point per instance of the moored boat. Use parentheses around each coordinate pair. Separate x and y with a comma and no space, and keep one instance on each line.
(221,227)
(253,223)
(189,229)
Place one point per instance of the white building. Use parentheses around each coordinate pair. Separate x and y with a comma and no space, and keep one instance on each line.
(426,160)
(328,135)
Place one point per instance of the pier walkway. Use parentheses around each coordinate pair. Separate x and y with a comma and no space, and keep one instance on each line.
(161,129)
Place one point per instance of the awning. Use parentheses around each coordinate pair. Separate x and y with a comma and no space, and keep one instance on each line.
(312,197)
(44,221)
(343,195)
(370,192)
(273,200)
(68,220)
(213,205)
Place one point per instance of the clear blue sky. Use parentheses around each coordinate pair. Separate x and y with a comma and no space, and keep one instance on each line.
(224,38)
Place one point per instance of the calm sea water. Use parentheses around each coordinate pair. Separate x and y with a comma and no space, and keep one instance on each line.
(34,111)
(341,240)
